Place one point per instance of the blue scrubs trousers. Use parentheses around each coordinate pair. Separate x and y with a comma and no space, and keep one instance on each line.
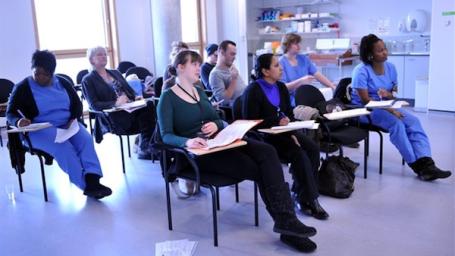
(406,134)
(76,156)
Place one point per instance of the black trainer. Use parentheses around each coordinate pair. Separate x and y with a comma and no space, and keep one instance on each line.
(98,192)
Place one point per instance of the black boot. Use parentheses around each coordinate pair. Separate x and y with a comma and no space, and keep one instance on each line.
(281,208)
(426,169)
(314,209)
(299,243)
(93,187)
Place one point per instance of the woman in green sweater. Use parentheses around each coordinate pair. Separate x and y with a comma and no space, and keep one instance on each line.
(184,111)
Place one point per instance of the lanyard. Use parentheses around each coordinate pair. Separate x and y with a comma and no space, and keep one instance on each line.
(197,101)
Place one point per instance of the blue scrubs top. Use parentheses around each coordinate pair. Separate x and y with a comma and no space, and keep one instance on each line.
(52,101)
(363,77)
(290,73)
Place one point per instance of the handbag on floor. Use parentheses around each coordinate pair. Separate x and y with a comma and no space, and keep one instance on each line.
(336,177)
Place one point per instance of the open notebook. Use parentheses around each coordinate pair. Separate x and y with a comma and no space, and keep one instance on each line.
(231,133)
(129,107)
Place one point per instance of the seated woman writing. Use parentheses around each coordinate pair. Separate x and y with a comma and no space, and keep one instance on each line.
(376,79)
(267,98)
(184,111)
(43,97)
(105,89)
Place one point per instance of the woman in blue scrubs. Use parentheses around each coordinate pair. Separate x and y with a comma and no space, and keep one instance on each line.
(298,68)
(42,97)
(376,79)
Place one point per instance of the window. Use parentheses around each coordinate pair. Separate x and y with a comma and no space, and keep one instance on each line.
(192,23)
(69,27)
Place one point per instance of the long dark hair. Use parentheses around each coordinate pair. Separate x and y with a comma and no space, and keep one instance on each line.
(182,57)
(264,61)
(366,48)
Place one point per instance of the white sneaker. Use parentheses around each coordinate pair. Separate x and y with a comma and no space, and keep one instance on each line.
(183,188)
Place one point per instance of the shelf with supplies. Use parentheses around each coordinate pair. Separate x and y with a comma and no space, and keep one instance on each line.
(272,4)
(304,17)
(300,33)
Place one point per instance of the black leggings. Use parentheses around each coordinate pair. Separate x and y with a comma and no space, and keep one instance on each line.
(304,162)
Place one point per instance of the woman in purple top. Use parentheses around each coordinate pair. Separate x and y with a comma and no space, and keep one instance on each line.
(268,99)
(297,68)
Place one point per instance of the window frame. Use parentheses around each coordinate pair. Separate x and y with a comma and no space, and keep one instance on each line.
(110,25)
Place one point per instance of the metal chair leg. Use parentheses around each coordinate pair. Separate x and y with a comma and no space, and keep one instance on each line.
(215,223)
(256,210)
(43,178)
(121,152)
(19,177)
(217,193)
(237,193)
(381,151)
(402,161)
(168,204)
(365,157)
(129,147)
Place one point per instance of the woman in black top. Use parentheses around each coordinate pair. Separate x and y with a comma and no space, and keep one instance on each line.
(184,111)
(267,98)
(104,89)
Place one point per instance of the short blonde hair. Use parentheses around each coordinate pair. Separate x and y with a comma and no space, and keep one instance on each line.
(92,52)
(288,39)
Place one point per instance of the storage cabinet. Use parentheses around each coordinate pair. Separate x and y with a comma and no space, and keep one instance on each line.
(415,67)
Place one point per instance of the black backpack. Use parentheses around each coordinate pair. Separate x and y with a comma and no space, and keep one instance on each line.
(344,90)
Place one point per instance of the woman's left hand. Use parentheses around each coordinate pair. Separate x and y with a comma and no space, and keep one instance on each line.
(138,98)
(384,94)
(209,128)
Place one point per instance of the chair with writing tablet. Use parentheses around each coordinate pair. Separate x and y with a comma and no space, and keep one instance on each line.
(342,133)
(123,66)
(17,149)
(212,181)
(343,93)
(6,87)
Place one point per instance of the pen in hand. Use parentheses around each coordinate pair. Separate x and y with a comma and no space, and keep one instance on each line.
(24,121)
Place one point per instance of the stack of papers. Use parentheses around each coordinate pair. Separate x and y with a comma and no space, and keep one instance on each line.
(175,248)
(231,133)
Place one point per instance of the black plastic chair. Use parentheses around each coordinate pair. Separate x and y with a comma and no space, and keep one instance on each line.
(17,147)
(211,181)
(67,77)
(141,72)
(338,132)
(6,87)
(123,66)
(158,86)
(343,93)
(80,75)
(93,114)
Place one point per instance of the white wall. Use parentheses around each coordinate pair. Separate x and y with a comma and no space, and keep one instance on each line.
(359,16)
(134,25)
(17,36)
(442,57)
(17,39)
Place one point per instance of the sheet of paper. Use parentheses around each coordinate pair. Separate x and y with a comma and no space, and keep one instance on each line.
(183,247)
(129,107)
(347,113)
(400,104)
(296,125)
(379,104)
(64,134)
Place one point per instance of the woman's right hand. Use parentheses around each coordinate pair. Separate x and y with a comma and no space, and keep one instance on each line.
(23,122)
(396,113)
(284,121)
(121,100)
(196,143)
(306,79)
